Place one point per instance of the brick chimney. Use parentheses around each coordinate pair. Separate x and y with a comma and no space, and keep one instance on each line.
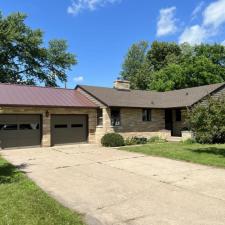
(122,84)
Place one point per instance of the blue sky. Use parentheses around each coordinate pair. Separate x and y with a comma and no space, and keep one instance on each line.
(100,32)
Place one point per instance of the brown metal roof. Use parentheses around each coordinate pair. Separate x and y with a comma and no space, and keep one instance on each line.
(22,95)
(150,99)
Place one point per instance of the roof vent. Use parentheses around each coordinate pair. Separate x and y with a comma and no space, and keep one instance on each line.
(122,84)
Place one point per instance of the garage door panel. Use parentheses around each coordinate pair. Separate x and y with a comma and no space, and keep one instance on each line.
(68,129)
(20,130)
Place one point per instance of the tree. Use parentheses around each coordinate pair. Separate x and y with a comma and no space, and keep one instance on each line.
(168,78)
(207,121)
(162,54)
(133,63)
(199,70)
(169,66)
(24,59)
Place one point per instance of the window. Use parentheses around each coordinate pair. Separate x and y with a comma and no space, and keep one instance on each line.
(115,117)
(146,115)
(99,117)
(61,126)
(76,125)
(178,115)
(8,126)
(32,126)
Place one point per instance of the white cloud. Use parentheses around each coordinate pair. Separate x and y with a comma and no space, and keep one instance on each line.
(167,22)
(78,5)
(197,10)
(193,35)
(213,19)
(79,79)
(214,14)
(223,43)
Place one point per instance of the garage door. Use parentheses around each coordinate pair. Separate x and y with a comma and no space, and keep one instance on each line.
(19,130)
(68,129)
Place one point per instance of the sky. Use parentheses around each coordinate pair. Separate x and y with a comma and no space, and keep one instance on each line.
(99,32)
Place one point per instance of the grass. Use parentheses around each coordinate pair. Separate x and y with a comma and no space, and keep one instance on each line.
(24,203)
(212,155)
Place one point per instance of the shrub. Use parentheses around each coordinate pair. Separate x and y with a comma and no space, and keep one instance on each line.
(207,121)
(112,140)
(189,141)
(136,141)
(156,139)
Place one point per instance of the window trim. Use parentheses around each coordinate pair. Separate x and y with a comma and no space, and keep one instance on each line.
(148,116)
(99,117)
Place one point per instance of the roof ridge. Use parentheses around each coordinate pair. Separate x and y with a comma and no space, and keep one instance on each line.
(207,85)
(35,86)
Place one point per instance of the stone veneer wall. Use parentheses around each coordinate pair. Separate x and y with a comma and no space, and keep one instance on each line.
(132,124)
(46,126)
(220,93)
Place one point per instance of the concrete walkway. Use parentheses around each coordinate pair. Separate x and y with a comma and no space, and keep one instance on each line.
(115,187)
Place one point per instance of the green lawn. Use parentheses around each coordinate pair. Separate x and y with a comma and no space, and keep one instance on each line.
(213,155)
(23,203)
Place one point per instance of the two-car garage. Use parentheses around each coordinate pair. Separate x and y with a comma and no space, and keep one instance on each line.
(26,130)
(44,116)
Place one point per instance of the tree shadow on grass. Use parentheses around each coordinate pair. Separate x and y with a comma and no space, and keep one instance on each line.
(210,150)
(9,173)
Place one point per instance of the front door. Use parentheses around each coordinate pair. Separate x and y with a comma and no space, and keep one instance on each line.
(169,120)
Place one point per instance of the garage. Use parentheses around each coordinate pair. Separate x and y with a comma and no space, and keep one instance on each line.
(20,130)
(66,129)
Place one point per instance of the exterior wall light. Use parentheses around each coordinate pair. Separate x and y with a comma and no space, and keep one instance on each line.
(47,113)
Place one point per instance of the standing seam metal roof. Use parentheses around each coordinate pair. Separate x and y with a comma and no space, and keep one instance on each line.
(23,95)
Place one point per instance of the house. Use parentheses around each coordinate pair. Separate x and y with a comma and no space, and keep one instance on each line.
(32,116)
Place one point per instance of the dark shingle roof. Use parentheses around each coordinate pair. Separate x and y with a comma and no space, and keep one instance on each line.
(22,95)
(150,99)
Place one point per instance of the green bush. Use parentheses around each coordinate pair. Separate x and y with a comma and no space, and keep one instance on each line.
(136,141)
(112,140)
(189,141)
(156,139)
(207,121)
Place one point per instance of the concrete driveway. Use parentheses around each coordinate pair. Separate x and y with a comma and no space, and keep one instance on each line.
(115,187)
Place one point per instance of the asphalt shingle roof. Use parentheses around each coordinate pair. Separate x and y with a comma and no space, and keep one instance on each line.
(150,99)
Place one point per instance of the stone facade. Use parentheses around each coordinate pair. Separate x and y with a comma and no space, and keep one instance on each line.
(220,93)
(132,124)
(46,119)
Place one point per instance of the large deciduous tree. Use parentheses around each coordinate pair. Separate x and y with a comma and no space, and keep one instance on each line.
(23,57)
(135,65)
(168,66)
